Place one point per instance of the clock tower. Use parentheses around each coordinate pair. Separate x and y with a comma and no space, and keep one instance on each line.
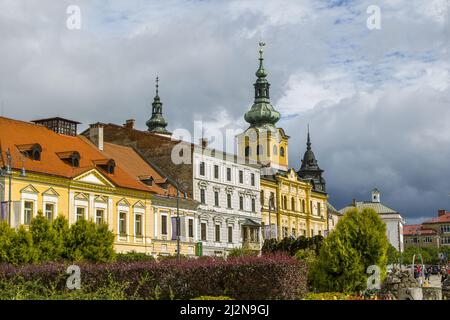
(263,142)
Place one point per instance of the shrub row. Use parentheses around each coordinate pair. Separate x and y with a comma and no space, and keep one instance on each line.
(259,278)
(45,241)
(291,245)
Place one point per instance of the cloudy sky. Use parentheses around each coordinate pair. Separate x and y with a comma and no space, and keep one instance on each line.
(377,101)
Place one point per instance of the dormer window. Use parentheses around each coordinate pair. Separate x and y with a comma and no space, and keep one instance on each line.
(32,151)
(72,158)
(106,164)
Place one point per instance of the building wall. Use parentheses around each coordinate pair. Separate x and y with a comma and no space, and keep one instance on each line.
(221,214)
(394,230)
(67,195)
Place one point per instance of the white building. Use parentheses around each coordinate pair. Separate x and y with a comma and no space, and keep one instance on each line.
(394,221)
(229,192)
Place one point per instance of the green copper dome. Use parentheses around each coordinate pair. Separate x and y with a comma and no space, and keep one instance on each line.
(262,113)
(157,123)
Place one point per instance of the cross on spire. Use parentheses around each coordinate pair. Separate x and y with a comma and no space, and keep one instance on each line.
(157,85)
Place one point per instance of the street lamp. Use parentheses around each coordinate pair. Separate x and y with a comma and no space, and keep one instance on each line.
(178,222)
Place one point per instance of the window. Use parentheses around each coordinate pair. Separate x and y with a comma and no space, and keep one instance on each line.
(122,223)
(292,204)
(230,234)
(203,231)
(241,203)
(138,225)
(202,196)
(303,206)
(248,151)
(445,240)
(282,152)
(190,228)
(216,172)
(259,150)
(285,232)
(164,225)
(228,174)
(261,197)
(241,176)
(320,232)
(216,198)
(310,207)
(253,205)
(253,179)
(312,232)
(445,228)
(99,216)
(217,232)
(294,233)
(49,211)
(275,150)
(28,212)
(80,213)
(229,200)
(427,240)
(318,208)
(202,168)
(285,206)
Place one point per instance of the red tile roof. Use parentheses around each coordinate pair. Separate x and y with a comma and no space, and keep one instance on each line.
(442,219)
(417,229)
(15,133)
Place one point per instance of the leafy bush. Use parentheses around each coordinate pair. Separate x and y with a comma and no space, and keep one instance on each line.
(133,256)
(291,245)
(326,296)
(212,298)
(259,278)
(45,241)
(358,242)
(393,255)
(241,252)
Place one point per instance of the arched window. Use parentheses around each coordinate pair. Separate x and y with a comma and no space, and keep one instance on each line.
(285,202)
(282,152)
(259,150)
(110,166)
(275,150)
(36,152)
(293,204)
(304,205)
(248,151)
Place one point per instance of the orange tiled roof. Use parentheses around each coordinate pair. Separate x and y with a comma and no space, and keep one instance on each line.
(14,134)
(137,167)
(442,219)
(417,229)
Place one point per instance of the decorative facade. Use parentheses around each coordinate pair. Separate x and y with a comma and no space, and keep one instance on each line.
(293,203)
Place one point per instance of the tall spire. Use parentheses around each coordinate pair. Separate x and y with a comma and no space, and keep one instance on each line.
(262,114)
(157,123)
(309,170)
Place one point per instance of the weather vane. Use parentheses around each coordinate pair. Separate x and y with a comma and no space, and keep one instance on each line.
(261,50)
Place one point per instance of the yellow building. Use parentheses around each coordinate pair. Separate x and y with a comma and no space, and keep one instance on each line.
(293,203)
(48,169)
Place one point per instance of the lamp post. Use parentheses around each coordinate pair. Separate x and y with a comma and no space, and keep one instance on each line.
(9,173)
(178,222)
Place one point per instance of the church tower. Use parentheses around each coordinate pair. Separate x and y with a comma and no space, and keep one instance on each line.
(157,124)
(263,142)
(309,170)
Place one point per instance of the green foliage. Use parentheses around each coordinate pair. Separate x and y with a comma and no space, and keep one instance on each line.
(291,245)
(212,298)
(133,256)
(22,250)
(241,252)
(88,241)
(358,242)
(307,255)
(430,255)
(393,255)
(326,296)
(45,241)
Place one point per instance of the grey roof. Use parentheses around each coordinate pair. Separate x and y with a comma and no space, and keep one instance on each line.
(332,209)
(377,206)
(250,222)
(171,202)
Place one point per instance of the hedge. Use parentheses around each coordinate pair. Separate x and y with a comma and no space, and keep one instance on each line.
(254,278)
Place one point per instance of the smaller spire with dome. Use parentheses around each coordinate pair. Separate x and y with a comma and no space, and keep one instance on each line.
(157,123)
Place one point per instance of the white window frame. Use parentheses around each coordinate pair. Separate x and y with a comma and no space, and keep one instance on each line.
(126,210)
(141,212)
(29,197)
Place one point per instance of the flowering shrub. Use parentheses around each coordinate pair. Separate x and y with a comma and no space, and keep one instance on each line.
(259,278)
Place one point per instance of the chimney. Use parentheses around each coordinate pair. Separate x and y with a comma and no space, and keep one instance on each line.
(204,142)
(354,202)
(96,135)
(129,124)
(441,212)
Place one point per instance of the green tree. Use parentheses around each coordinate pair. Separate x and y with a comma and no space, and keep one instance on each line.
(6,236)
(45,239)
(61,228)
(22,250)
(89,241)
(358,242)
(393,255)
